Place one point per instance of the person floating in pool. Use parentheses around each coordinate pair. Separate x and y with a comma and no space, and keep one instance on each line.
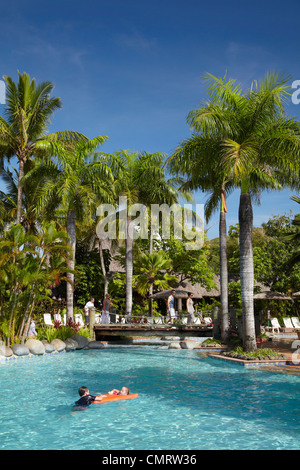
(123,391)
(85,398)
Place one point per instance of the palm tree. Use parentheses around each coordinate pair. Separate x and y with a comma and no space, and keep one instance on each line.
(153,269)
(260,151)
(29,216)
(155,188)
(74,183)
(140,177)
(28,109)
(28,265)
(199,159)
(294,237)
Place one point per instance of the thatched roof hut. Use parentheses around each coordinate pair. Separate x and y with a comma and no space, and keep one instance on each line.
(269,295)
(185,287)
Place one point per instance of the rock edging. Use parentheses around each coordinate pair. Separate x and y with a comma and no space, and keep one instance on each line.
(33,347)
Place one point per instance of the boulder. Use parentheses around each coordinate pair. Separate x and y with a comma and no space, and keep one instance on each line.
(20,350)
(187,344)
(71,344)
(5,351)
(58,344)
(172,338)
(174,345)
(49,348)
(81,340)
(35,346)
(96,345)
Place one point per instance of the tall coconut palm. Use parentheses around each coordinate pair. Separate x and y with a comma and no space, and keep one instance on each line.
(199,160)
(28,110)
(157,188)
(74,183)
(141,178)
(260,151)
(29,216)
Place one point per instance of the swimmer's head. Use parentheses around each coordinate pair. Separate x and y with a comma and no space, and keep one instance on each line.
(124,391)
(83,391)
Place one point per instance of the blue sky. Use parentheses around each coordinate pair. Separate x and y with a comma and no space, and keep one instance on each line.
(131,70)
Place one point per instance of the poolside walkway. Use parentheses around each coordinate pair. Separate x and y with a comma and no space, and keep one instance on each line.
(287,348)
(282,346)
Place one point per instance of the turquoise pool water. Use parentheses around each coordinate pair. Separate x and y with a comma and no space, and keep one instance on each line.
(185,402)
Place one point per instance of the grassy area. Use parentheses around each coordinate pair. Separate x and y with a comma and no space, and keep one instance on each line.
(259,354)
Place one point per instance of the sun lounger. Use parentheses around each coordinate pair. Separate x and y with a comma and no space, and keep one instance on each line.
(47,319)
(78,319)
(207,320)
(289,327)
(296,322)
(275,325)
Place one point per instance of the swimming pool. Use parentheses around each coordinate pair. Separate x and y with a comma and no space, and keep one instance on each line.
(185,402)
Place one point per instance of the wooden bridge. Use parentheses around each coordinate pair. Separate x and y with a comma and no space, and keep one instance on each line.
(117,332)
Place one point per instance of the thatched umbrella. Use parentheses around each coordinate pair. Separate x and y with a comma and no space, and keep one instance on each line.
(182,292)
(269,295)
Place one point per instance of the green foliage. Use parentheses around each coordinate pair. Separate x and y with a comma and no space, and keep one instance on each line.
(210,341)
(89,277)
(29,264)
(258,354)
(49,333)
(234,294)
(192,265)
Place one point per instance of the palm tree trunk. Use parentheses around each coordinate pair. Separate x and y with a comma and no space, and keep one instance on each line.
(20,190)
(247,271)
(71,263)
(223,275)
(103,267)
(151,285)
(129,266)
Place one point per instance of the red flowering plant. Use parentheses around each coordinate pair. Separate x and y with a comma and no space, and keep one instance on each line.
(71,324)
(57,324)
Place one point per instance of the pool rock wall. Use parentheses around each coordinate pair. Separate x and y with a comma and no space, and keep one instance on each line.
(37,348)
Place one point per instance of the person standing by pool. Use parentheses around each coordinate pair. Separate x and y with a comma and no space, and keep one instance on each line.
(171,306)
(32,332)
(190,309)
(106,310)
(88,305)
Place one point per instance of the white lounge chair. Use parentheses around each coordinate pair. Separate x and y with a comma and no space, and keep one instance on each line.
(288,324)
(296,322)
(78,319)
(275,325)
(57,317)
(207,320)
(47,319)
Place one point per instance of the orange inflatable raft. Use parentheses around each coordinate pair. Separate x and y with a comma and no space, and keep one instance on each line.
(109,398)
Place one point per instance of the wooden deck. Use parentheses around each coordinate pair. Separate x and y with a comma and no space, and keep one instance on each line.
(115,332)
